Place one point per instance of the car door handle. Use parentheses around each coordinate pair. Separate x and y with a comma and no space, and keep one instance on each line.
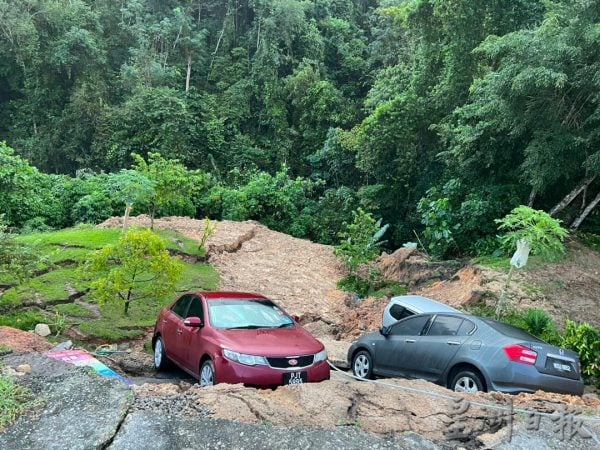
(453,343)
(164,321)
(179,331)
(410,341)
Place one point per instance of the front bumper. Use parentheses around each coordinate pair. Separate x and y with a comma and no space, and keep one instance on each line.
(264,376)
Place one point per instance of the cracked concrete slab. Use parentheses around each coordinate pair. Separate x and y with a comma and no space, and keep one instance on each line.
(79,409)
(143,429)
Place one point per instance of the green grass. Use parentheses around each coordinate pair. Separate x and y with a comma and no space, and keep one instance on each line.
(4,349)
(14,400)
(23,320)
(198,276)
(73,310)
(176,241)
(85,236)
(52,285)
(65,250)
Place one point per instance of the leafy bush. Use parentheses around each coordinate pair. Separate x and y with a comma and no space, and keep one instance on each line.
(540,324)
(360,244)
(544,233)
(585,340)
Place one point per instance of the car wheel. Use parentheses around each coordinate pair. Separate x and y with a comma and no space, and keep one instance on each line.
(207,374)
(160,356)
(362,365)
(466,381)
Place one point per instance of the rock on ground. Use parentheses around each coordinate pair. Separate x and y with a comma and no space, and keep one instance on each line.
(79,409)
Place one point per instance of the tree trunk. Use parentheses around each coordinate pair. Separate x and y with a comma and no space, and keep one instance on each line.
(571,196)
(588,209)
(532,196)
(189,73)
(126,311)
(126,217)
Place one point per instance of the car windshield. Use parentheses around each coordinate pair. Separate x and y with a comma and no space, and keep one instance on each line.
(247,314)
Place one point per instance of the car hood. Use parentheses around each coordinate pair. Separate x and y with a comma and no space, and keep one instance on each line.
(271,342)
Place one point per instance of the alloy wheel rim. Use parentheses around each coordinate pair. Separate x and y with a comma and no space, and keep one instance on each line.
(206,377)
(466,384)
(158,353)
(361,366)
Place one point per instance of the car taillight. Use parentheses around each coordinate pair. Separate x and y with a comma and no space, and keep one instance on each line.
(521,354)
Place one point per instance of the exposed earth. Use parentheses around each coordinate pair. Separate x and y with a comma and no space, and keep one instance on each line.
(301,276)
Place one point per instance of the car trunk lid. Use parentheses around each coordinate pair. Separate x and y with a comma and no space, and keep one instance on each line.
(556,361)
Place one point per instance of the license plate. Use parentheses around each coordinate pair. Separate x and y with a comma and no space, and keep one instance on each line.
(295,377)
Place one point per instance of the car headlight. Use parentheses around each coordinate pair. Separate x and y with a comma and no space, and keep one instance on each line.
(248,360)
(321,356)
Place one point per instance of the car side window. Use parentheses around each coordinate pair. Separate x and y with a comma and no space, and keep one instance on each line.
(445,326)
(466,328)
(180,307)
(195,309)
(399,312)
(411,326)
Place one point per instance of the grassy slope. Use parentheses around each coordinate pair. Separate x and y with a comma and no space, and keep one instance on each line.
(64,251)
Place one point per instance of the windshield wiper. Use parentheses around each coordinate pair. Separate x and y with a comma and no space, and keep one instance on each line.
(245,327)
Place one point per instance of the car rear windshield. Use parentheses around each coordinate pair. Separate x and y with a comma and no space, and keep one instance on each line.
(249,314)
(510,331)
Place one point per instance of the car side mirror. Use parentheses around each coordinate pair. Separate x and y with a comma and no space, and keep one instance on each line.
(193,322)
(384,330)
(296,318)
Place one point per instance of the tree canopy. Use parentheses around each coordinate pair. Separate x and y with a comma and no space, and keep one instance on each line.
(439,116)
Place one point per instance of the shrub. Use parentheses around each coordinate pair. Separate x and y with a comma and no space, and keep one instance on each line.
(585,340)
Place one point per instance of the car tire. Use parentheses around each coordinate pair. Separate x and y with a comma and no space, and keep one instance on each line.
(362,365)
(467,381)
(207,374)
(160,355)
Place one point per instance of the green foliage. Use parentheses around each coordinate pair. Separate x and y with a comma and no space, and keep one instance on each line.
(137,267)
(540,324)
(544,233)
(585,340)
(18,260)
(172,185)
(208,230)
(591,240)
(360,241)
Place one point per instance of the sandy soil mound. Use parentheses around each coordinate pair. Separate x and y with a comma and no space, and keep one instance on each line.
(23,341)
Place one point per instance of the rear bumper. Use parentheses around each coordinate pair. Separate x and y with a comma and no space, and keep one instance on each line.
(264,376)
(524,378)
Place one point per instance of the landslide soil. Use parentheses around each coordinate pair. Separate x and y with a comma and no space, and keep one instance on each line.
(301,276)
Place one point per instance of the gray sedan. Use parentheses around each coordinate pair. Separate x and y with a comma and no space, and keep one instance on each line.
(466,354)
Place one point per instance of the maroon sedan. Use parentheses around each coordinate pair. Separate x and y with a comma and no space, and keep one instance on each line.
(237,337)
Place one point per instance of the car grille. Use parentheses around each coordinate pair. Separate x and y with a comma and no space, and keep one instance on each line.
(284,363)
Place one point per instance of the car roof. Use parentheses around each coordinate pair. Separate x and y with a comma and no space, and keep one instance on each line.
(422,304)
(229,295)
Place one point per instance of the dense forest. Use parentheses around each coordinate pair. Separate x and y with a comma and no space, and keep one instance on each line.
(438,116)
